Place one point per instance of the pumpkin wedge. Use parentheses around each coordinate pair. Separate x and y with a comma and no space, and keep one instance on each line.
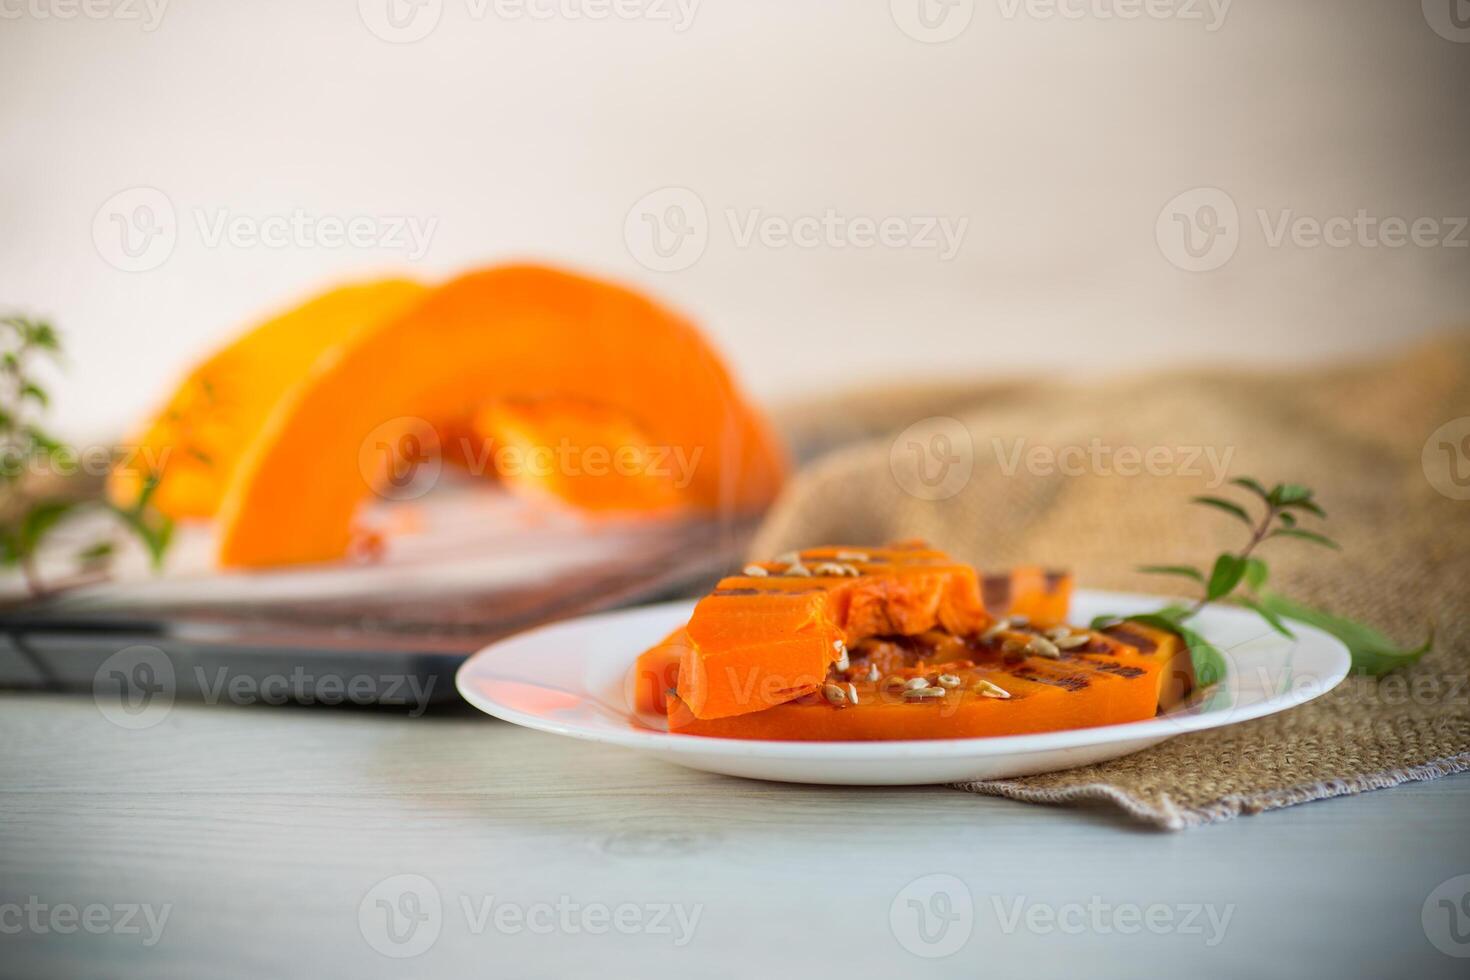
(939,686)
(768,635)
(196,440)
(498,334)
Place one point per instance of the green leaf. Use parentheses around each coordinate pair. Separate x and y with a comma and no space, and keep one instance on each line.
(1225,576)
(1104,621)
(1209,662)
(1256,572)
(1228,506)
(38,520)
(1287,519)
(1310,506)
(1184,571)
(1269,615)
(1253,486)
(1287,494)
(1372,652)
(1312,536)
(31,391)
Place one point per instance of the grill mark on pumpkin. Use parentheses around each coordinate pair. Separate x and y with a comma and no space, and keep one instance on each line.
(996,592)
(1136,640)
(1054,580)
(1068,682)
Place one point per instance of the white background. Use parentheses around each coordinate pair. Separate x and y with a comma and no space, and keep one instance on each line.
(1059,139)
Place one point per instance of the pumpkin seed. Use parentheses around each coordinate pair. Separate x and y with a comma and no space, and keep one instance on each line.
(948,680)
(852,694)
(1042,647)
(996,629)
(1074,641)
(1058,633)
(799,570)
(923,693)
(754,571)
(917,684)
(873,673)
(851,556)
(989,690)
(834,694)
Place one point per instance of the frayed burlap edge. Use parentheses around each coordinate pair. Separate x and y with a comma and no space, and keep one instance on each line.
(1166,815)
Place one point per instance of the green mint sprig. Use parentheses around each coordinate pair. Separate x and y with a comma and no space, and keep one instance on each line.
(29,521)
(1240,577)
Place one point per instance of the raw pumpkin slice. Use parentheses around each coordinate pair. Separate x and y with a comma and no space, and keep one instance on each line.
(767,636)
(583,454)
(197,439)
(994,688)
(497,334)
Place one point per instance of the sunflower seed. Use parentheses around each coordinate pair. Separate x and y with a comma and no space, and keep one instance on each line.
(1074,641)
(917,684)
(989,690)
(755,571)
(948,680)
(996,629)
(852,694)
(799,570)
(1042,647)
(1058,633)
(873,674)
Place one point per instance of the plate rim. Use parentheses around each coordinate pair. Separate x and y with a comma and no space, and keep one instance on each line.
(669,743)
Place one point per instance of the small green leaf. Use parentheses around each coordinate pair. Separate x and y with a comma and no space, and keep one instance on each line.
(38,520)
(1184,571)
(1312,536)
(1253,486)
(1225,576)
(1103,622)
(1256,572)
(1372,652)
(1209,662)
(1228,506)
(1310,506)
(31,391)
(1272,620)
(1286,494)
(1287,519)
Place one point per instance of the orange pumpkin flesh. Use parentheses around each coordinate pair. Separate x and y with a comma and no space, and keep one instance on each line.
(198,437)
(504,333)
(911,614)
(584,455)
(761,640)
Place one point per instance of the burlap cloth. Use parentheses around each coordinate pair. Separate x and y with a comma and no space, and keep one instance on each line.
(1355,434)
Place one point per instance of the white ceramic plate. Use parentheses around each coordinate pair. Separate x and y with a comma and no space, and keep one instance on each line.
(569,679)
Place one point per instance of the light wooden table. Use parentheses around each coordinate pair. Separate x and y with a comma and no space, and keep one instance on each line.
(266,836)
